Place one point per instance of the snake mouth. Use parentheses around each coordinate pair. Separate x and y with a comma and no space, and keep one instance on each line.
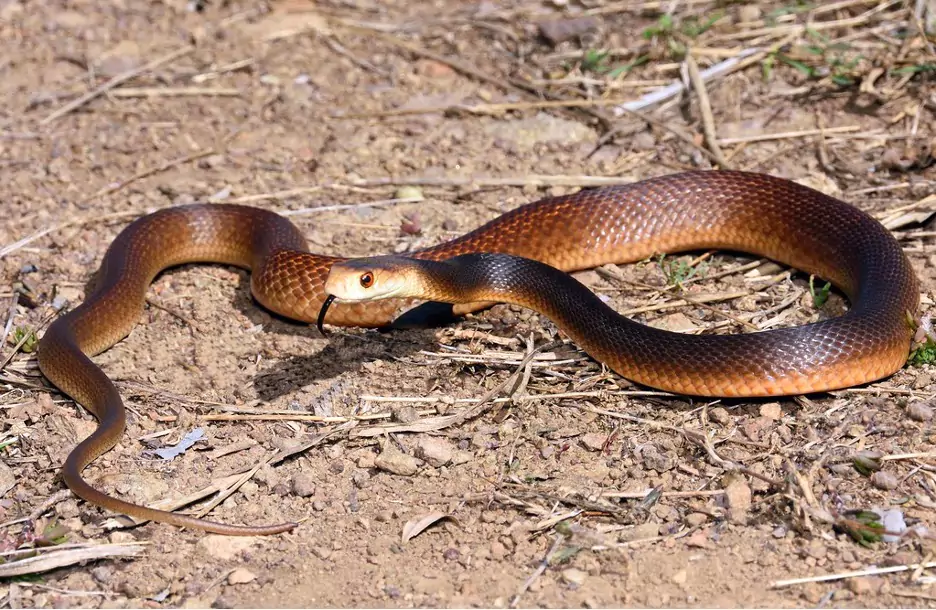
(321,317)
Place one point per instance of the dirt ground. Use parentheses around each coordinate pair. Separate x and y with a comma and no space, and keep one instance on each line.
(389,126)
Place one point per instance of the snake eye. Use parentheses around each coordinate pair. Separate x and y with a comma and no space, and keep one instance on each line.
(367,279)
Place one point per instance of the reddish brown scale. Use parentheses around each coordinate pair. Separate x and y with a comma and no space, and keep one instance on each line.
(754,213)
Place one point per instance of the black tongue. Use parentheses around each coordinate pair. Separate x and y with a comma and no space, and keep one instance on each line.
(321,316)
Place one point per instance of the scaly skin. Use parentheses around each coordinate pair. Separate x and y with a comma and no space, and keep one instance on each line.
(697,210)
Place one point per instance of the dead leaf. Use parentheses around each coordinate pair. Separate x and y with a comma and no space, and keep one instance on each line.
(413,528)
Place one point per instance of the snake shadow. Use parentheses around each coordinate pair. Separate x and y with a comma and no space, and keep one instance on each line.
(346,350)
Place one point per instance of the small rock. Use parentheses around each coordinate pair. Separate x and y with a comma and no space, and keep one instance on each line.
(462,457)
(771,410)
(562,30)
(451,554)
(7,478)
(303,484)
(720,415)
(859,585)
(694,519)
(336,467)
(842,595)
(498,550)
(574,576)
(884,480)
(699,540)
(435,451)
(738,494)
(641,532)
(816,549)
(241,576)
(434,69)
(594,441)
(644,140)
(393,460)
(404,415)
(920,411)
(749,12)
(102,574)
(408,192)
(366,461)
(654,460)
(680,577)
(812,593)
(922,380)
(894,522)
(754,428)
(226,548)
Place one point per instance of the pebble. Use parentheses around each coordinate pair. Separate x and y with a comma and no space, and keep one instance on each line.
(654,460)
(241,576)
(694,519)
(574,576)
(859,585)
(699,540)
(680,577)
(102,574)
(644,140)
(720,415)
(816,549)
(884,480)
(812,593)
(498,550)
(366,461)
(771,410)
(7,478)
(920,411)
(594,441)
(303,484)
(408,192)
(226,548)
(404,415)
(435,451)
(561,30)
(392,460)
(640,532)
(738,494)
(336,467)
(749,12)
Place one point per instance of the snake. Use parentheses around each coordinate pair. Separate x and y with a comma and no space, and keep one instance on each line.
(521,257)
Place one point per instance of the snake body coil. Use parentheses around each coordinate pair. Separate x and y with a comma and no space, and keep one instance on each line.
(753,213)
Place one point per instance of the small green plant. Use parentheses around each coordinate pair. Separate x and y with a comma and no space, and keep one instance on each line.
(820,296)
(596,61)
(925,354)
(914,69)
(817,60)
(863,526)
(676,35)
(28,337)
(663,27)
(867,462)
(677,271)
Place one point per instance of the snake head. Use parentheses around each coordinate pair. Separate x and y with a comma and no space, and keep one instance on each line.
(371,279)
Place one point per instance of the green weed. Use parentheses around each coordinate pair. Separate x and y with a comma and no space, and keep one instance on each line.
(820,296)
